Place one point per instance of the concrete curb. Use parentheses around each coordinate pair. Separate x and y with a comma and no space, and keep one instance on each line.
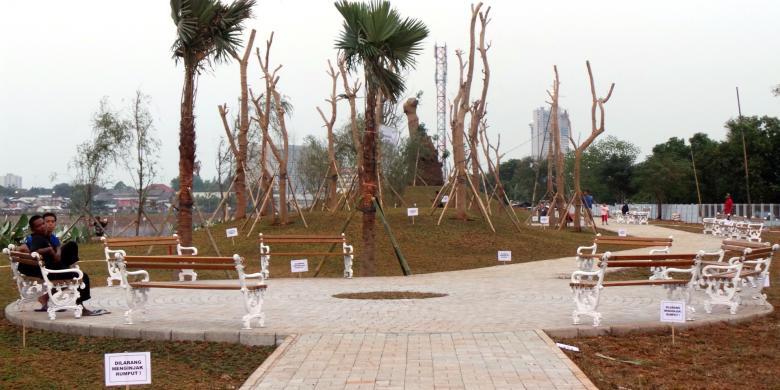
(144,330)
(577,331)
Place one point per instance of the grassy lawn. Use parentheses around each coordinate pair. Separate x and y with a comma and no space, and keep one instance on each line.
(713,357)
(721,356)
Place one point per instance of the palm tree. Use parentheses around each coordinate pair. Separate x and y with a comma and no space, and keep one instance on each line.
(375,36)
(207,31)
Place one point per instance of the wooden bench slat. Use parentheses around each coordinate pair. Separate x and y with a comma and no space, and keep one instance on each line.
(294,236)
(632,238)
(745,243)
(180,259)
(657,256)
(143,265)
(619,283)
(197,286)
(304,253)
(142,238)
(731,275)
(132,244)
(650,263)
(638,243)
(303,241)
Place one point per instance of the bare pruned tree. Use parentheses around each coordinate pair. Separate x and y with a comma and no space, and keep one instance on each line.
(461,107)
(597,127)
(333,170)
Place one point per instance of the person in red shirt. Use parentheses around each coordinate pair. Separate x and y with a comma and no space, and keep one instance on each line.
(728,205)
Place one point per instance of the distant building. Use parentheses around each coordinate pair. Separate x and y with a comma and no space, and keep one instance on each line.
(12,181)
(540,131)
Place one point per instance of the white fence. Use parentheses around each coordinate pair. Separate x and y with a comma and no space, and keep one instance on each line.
(770,212)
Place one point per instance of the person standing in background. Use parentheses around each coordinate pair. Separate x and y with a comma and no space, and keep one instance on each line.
(728,206)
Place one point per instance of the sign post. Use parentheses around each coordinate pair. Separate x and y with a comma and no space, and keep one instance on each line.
(673,311)
(298,266)
(128,368)
(413,212)
(230,233)
(504,256)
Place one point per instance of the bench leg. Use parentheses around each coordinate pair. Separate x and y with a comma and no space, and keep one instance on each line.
(586,302)
(64,297)
(348,266)
(29,292)
(264,266)
(253,303)
(720,292)
(137,299)
(113,274)
(188,272)
(755,286)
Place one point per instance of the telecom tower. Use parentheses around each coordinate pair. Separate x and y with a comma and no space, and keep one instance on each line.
(440,52)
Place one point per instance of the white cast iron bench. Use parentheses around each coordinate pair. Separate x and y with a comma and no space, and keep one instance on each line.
(137,291)
(62,293)
(304,241)
(586,286)
(111,246)
(746,272)
(586,254)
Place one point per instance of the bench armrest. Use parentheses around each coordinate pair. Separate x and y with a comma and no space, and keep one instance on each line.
(591,248)
(110,252)
(707,270)
(256,275)
(139,272)
(189,248)
(657,251)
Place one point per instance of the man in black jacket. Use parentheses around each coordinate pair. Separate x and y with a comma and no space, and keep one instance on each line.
(58,258)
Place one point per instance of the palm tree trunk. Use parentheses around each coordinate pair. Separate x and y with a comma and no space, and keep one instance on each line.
(186,156)
(368,186)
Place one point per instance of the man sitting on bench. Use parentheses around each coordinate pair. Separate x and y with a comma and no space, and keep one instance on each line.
(56,257)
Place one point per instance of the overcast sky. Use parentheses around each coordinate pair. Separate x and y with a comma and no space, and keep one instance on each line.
(675,65)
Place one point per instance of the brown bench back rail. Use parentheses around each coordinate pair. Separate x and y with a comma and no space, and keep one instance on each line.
(586,285)
(265,242)
(137,296)
(62,292)
(112,246)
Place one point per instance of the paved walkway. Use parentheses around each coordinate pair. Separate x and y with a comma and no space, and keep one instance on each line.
(481,335)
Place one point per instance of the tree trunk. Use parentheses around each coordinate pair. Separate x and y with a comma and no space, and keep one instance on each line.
(186,156)
(368,186)
(577,190)
(243,131)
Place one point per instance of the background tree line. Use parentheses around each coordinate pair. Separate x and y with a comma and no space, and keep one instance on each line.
(613,174)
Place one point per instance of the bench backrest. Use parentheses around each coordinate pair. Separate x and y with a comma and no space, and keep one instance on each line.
(32,259)
(111,245)
(302,239)
(632,241)
(650,260)
(178,262)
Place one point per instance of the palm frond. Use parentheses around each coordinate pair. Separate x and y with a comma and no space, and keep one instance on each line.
(376,36)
